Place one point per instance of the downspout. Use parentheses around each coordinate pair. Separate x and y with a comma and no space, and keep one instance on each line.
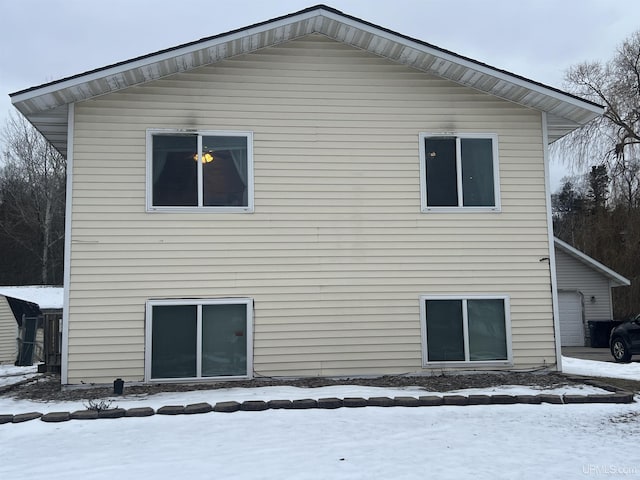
(552,252)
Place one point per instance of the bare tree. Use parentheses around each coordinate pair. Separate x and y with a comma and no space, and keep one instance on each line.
(625,178)
(613,138)
(32,193)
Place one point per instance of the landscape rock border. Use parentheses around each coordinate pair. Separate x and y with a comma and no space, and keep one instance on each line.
(615,395)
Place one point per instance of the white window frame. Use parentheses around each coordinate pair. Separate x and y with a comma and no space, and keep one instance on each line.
(465,327)
(460,208)
(248,302)
(150,208)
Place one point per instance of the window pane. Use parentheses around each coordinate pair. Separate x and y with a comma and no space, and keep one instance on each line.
(224,340)
(173,341)
(442,185)
(174,170)
(445,340)
(225,171)
(487,335)
(477,172)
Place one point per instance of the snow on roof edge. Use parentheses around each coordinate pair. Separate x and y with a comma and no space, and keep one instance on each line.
(46,296)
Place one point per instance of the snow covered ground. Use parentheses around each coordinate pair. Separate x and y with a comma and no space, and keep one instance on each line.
(446,442)
(575,366)
(10,374)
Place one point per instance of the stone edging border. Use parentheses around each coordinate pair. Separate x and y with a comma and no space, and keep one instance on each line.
(616,395)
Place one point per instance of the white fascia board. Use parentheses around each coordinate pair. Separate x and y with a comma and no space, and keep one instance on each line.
(468,64)
(485,70)
(584,258)
(148,60)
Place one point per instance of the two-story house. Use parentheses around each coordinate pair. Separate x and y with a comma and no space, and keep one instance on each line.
(312,195)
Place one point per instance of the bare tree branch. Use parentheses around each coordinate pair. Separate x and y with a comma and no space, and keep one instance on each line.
(32,193)
(611,232)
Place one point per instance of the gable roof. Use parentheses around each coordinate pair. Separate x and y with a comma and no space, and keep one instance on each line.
(616,279)
(46,106)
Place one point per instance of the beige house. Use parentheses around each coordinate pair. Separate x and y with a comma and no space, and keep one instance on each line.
(584,293)
(311,195)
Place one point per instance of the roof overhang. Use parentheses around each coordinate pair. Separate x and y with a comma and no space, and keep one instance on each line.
(46,106)
(615,278)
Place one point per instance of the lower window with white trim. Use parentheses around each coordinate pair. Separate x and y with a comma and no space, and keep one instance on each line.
(465,329)
(195,339)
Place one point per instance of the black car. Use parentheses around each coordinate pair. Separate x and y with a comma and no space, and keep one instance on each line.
(625,340)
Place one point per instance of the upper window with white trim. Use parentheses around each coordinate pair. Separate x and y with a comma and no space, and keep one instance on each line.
(199,171)
(459,172)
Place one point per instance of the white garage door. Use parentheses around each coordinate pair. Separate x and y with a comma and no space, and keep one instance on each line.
(571,326)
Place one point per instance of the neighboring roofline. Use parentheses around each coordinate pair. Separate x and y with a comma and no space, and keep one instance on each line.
(27,293)
(301,13)
(591,262)
(18,307)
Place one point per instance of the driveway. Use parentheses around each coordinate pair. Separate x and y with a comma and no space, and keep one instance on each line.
(588,353)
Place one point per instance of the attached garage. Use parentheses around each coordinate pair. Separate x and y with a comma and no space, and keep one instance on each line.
(584,293)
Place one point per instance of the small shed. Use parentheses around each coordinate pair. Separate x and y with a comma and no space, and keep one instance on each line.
(38,338)
(20,321)
(8,333)
(584,294)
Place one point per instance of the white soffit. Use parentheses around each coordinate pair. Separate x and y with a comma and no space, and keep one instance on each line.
(46,105)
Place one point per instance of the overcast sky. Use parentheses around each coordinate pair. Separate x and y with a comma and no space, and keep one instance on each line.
(44,40)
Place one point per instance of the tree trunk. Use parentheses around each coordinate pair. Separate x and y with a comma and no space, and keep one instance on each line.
(46,233)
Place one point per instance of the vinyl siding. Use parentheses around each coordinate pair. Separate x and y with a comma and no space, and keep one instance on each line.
(337,251)
(8,333)
(574,275)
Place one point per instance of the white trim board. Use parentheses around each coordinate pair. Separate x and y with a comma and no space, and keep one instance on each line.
(555,309)
(64,370)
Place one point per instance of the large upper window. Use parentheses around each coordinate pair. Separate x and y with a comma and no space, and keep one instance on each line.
(459,172)
(204,170)
(197,339)
(465,329)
